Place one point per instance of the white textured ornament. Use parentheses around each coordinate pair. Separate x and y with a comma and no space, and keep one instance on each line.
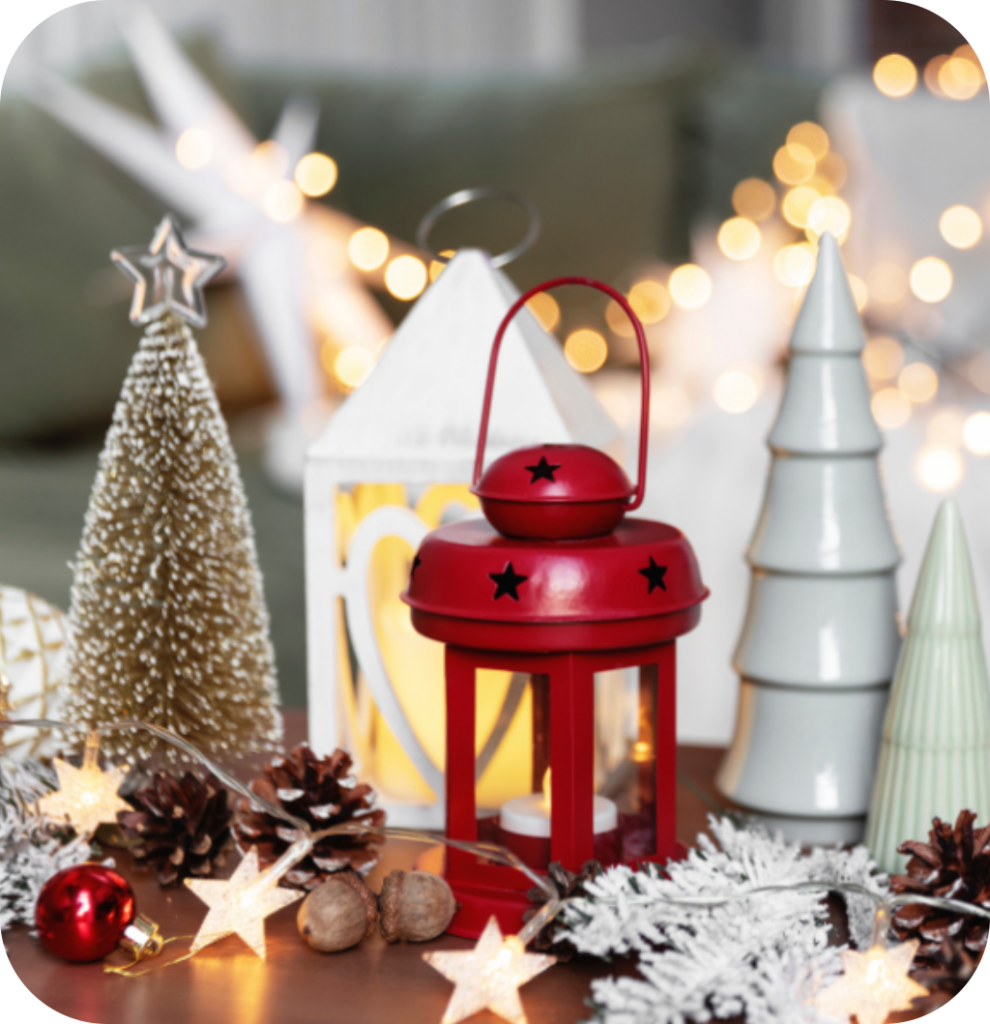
(935,758)
(33,638)
(820,640)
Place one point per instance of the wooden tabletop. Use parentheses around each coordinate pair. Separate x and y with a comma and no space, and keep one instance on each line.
(371,984)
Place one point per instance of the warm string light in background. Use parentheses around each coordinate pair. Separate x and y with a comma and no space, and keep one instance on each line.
(960,226)
(405,277)
(194,149)
(315,174)
(976,433)
(895,76)
(930,279)
(690,286)
(739,238)
(436,267)
(283,201)
(353,365)
(919,382)
(955,76)
(737,390)
(368,248)
(939,468)
(754,198)
(546,310)
(586,350)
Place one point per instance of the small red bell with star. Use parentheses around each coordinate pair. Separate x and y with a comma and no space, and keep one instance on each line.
(557,586)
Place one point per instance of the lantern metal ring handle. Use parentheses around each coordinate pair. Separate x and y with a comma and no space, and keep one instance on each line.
(644,363)
(470,195)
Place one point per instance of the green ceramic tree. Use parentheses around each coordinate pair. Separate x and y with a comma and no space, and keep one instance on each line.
(935,757)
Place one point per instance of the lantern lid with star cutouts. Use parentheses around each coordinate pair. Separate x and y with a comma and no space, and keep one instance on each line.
(557,565)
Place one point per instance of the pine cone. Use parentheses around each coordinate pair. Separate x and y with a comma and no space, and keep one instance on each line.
(953,864)
(181,828)
(568,886)
(322,793)
(944,972)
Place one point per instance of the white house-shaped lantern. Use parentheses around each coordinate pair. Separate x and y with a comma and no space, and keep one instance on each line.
(407,438)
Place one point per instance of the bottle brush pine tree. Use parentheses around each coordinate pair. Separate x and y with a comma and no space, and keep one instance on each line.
(168,619)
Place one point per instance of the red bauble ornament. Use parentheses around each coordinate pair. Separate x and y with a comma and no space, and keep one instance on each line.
(82,912)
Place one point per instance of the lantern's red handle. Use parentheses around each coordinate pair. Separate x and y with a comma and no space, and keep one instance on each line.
(644,363)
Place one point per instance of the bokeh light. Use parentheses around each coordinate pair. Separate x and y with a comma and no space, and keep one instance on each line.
(932,69)
(316,174)
(939,468)
(812,136)
(888,283)
(883,357)
(739,238)
(353,365)
(283,201)
(794,265)
(946,427)
(437,267)
(586,350)
(650,302)
(194,148)
(368,248)
(736,391)
(919,382)
(793,164)
(931,279)
(797,204)
(861,294)
(976,433)
(959,78)
(830,213)
(546,310)
(405,277)
(960,226)
(690,286)
(754,198)
(895,75)
(891,408)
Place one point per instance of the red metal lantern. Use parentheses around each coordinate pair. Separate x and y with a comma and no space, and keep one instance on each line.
(559,585)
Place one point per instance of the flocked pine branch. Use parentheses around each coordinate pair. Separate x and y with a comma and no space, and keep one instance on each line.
(762,957)
(32,849)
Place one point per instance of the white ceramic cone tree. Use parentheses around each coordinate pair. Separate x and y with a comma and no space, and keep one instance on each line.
(935,757)
(820,639)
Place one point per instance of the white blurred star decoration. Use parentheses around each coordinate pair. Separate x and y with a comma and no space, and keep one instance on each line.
(305,268)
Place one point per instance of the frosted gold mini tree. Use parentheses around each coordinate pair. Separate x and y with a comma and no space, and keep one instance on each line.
(168,620)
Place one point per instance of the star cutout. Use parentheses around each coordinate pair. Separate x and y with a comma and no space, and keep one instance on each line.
(86,797)
(489,976)
(240,905)
(543,470)
(167,276)
(873,984)
(655,574)
(508,582)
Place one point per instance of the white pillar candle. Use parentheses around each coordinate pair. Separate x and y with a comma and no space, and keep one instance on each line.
(529,815)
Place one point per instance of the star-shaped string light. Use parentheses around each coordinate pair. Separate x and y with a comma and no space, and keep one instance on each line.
(543,470)
(240,905)
(654,574)
(507,582)
(86,797)
(873,984)
(168,275)
(489,976)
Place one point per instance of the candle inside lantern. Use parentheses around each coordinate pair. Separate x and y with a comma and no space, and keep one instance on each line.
(524,824)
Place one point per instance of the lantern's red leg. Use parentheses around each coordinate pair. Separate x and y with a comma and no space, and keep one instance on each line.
(572,762)
(462,821)
(666,751)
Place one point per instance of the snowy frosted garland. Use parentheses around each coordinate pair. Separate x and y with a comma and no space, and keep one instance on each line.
(31,848)
(696,966)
